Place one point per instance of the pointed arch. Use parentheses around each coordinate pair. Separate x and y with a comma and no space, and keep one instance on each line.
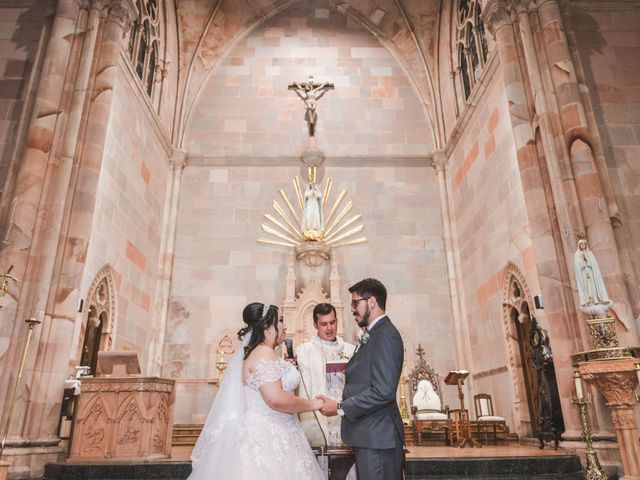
(516,299)
(99,322)
(413,61)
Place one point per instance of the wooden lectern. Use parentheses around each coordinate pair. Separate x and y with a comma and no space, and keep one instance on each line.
(461,423)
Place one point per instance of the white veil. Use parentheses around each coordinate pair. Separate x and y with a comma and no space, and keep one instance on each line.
(217,451)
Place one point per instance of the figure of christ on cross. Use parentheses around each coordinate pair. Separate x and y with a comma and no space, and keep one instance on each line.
(310,93)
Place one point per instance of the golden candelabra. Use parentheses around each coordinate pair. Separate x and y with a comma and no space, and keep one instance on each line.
(221,365)
(638,374)
(594,470)
(404,409)
(31,323)
(4,283)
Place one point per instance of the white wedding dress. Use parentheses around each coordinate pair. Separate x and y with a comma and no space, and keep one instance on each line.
(244,439)
(275,446)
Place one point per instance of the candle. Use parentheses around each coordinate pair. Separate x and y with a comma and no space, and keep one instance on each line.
(578,381)
(638,372)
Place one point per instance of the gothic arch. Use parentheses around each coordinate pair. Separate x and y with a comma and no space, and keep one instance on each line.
(225,343)
(100,310)
(516,297)
(211,50)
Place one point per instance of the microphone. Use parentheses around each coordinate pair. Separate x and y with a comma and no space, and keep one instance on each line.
(288,342)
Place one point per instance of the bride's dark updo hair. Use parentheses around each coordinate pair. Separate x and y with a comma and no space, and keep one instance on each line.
(257,317)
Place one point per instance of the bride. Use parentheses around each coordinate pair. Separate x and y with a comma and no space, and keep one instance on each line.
(252,431)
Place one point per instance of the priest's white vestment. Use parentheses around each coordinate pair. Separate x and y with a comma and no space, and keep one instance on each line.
(313,356)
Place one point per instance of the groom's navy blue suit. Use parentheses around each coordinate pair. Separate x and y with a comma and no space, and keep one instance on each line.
(372,423)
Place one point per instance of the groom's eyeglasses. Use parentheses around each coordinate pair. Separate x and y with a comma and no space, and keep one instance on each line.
(356,301)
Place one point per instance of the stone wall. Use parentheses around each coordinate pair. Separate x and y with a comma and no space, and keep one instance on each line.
(128,220)
(219,266)
(492,230)
(607,42)
(245,108)
(377,139)
(20,37)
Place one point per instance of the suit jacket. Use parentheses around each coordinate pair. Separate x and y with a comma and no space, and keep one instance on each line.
(372,417)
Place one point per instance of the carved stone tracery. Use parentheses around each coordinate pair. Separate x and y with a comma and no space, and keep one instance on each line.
(123,418)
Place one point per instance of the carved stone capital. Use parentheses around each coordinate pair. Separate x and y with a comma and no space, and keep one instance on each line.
(439,161)
(523,6)
(616,380)
(178,160)
(495,15)
(623,417)
(123,12)
(97,4)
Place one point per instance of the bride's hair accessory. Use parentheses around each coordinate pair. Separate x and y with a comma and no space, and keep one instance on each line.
(265,309)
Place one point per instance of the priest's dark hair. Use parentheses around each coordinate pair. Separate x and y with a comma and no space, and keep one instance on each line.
(371,287)
(323,309)
(257,323)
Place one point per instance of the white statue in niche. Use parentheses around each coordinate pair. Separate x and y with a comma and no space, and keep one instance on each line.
(312,222)
(592,292)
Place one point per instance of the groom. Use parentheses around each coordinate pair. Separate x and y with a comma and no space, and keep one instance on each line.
(371,421)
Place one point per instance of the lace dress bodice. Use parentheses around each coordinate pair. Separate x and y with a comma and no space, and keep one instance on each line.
(274,439)
(268,371)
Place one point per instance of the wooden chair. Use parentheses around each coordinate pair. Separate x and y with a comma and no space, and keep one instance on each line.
(431,420)
(485,417)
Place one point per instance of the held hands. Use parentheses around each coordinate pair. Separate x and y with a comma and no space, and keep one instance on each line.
(330,407)
(318,402)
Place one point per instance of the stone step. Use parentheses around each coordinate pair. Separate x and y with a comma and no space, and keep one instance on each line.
(552,467)
(185,434)
(557,467)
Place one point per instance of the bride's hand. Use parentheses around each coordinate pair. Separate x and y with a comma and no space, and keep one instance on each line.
(318,402)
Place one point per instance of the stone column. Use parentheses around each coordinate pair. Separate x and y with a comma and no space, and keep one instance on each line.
(440,164)
(177,163)
(617,380)
(48,112)
(51,367)
(559,315)
(30,193)
(578,141)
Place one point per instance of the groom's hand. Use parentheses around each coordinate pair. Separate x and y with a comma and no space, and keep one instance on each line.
(330,408)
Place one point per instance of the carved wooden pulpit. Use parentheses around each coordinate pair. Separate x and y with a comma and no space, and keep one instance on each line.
(123,417)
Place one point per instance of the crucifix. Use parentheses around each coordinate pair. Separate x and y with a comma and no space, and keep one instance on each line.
(310,93)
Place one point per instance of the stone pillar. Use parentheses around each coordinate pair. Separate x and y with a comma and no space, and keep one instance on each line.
(51,367)
(48,112)
(156,358)
(617,380)
(440,164)
(559,316)
(46,236)
(37,165)
(578,141)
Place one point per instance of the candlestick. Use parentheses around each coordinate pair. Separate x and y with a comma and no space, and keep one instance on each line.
(221,365)
(4,283)
(31,323)
(578,381)
(594,470)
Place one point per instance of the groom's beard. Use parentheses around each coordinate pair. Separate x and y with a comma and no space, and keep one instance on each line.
(364,320)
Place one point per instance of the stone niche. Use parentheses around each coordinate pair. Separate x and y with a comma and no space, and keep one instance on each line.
(123,418)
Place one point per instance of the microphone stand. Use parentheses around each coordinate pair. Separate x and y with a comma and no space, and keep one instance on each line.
(323,449)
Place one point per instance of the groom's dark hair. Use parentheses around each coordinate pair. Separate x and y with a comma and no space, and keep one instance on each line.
(323,309)
(371,287)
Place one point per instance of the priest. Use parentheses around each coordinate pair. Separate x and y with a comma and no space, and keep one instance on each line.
(312,357)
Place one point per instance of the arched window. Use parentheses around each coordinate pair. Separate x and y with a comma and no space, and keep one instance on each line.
(471,43)
(144,43)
